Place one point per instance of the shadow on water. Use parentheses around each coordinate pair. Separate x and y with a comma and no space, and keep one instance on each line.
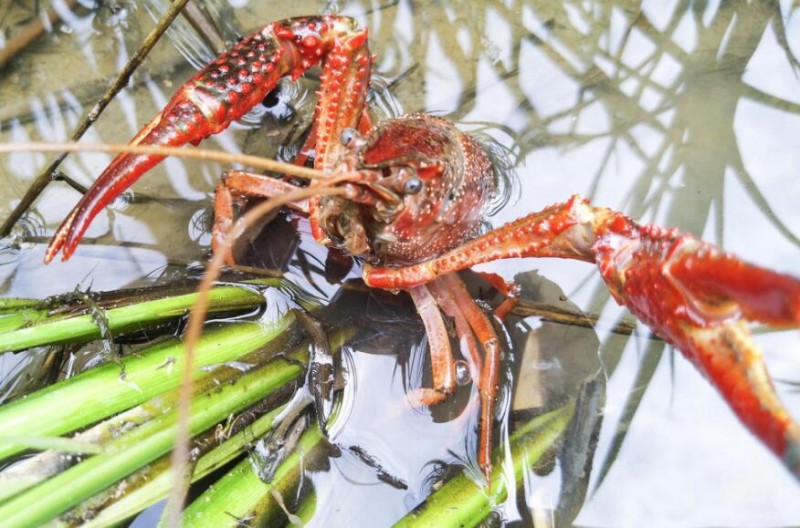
(678,113)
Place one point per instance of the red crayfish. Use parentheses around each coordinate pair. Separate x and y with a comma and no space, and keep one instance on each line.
(408,198)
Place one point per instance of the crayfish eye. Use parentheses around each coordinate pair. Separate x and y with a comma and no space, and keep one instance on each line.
(347,137)
(413,185)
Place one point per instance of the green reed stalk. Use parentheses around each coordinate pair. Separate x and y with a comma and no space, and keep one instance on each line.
(461,502)
(25,323)
(133,450)
(241,494)
(152,484)
(101,392)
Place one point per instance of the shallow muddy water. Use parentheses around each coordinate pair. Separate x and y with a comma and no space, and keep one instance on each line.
(677,113)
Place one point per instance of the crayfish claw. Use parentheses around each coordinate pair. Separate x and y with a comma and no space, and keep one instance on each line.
(223,92)
(699,299)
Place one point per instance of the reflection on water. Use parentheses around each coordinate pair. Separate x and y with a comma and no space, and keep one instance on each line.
(678,113)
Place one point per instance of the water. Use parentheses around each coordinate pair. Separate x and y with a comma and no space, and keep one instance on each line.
(678,115)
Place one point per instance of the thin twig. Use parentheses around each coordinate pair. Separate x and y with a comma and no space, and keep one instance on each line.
(204,25)
(553,314)
(45,177)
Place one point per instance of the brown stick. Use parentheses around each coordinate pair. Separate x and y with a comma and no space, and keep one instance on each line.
(204,25)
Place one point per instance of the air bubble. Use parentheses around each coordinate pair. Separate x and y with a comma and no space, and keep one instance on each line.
(463,376)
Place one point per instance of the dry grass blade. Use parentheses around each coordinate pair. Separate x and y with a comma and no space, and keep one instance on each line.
(255,162)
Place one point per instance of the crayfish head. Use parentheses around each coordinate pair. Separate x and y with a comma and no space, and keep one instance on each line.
(431,182)
(421,190)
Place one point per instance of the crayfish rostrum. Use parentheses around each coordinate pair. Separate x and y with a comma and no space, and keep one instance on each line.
(408,197)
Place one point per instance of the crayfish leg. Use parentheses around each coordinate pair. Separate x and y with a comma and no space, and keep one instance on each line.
(449,304)
(688,292)
(341,105)
(450,294)
(553,232)
(442,363)
(487,382)
(235,186)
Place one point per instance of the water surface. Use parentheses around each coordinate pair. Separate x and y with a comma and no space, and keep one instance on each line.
(677,113)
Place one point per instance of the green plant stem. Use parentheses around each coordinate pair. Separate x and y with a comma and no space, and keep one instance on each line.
(241,494)
(158,481)
(141,446)
(30,328)
(106,390)
(461,502)
(33,470)
(153,483)
(12,304)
